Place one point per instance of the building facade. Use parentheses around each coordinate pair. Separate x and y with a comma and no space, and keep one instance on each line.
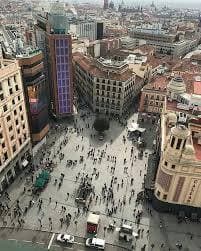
(54,40)
(87,29)
(35,92)
(179,173)
(107,86)
(15,142)
(178,180)
(60,74)
(153,96)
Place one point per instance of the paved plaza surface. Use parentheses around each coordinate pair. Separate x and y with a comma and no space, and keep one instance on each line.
(159,229)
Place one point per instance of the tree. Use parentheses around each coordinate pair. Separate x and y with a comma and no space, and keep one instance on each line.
(101,124)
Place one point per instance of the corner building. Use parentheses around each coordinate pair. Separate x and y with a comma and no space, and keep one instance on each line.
(178,181)
(107,86)
(15,143)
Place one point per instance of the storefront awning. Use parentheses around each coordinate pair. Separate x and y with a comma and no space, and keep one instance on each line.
(25,163)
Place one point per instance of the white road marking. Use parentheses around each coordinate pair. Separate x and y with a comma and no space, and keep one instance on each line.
(26,241)
(12,240)
(51,240)
(40,243)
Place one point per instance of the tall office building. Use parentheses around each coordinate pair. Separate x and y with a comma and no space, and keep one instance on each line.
(15,143)
(106,4)
(87,29)
(58,49)
(100,28)
(33,77)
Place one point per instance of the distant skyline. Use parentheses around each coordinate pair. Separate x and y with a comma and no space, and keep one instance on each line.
(169,3)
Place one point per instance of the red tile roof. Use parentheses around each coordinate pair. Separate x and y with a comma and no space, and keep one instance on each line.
(159,83)
(89,65)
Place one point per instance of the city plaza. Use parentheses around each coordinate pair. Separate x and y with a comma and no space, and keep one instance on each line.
(68,140)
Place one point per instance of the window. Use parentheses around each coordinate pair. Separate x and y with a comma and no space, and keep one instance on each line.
(1,96)
(97,86)
(18,131)
(158,193)
(16,88)
(20,141)
(120,83)
(103,87)
(97,80)
(12,137)
(20,107)
(16,122)
(5,108)
(22,118)
(14,148)
(5,156)
(25,136)
(8,118)
(11,91)
(3,145)
(114,89)
(15,112)
(1,135)
(18,98)
(108,88)
(165,163)
(13,102)
(172,142)
(10,128)
(165,197)
(1,86)
(178,143)
(173,166)
(9,83)
(15,78)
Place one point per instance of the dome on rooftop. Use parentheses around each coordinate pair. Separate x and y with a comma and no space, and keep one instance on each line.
(176,85)
(180,131)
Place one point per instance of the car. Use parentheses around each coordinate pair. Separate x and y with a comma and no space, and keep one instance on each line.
(65,238)
(95,243)
(101,137)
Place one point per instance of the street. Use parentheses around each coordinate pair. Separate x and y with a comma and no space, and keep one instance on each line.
(110,165)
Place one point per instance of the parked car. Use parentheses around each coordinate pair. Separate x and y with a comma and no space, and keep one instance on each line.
(65,238)
(95,243)
(101,136)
